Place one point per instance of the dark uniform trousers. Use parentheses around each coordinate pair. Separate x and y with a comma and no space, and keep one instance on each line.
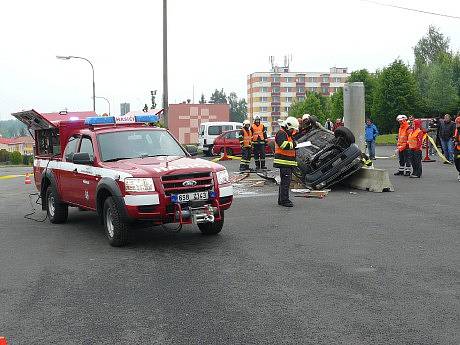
(245,158)
(404,160)
(416,158)
(286,177)
(259,155)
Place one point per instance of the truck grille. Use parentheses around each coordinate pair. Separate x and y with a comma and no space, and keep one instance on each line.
(174,184)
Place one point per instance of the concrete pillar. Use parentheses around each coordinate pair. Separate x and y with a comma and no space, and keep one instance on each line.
(353,111)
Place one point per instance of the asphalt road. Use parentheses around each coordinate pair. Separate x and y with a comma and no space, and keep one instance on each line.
(359,268)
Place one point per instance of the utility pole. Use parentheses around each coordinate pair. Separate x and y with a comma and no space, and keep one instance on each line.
(165,64)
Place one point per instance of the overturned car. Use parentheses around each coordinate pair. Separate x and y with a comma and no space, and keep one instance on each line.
(324,157)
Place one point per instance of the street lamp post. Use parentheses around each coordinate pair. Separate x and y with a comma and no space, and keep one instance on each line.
(105,100)
(60,57)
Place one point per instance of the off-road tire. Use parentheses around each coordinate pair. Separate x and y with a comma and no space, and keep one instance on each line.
(208,229)
(56,211)
(116,230)
(346,134)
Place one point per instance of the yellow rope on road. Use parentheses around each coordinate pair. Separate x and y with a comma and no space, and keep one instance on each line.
(7,177)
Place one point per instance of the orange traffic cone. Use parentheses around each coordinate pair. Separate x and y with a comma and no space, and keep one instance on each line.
(27,181)
(3,341)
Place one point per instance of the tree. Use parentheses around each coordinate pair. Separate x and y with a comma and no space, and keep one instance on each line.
(5,156)
(337,104)
(218,97)
(238,108)
(369,85)
(16,158)
(395,94)
(430,47)
(311,105)
(202,99)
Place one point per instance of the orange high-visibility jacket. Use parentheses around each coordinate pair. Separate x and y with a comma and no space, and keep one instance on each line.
(258,132)
(415,139)
(403,136)
(245,137)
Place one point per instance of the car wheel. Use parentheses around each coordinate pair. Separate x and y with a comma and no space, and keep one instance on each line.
(212,228)
(229,151)
(115,229)
(208,152)
(345,134)
(56,211)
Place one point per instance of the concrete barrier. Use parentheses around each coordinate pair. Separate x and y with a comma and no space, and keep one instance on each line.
(372,180)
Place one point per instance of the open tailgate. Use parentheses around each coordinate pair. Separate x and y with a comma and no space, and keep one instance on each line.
(33,120)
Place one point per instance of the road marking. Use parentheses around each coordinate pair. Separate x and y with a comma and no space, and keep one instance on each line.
(7,177)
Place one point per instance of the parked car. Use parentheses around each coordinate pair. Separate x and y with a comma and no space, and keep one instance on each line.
(209,131)
(327,157)
(232,143)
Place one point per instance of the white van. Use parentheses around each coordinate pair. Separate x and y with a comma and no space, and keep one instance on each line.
(210,130)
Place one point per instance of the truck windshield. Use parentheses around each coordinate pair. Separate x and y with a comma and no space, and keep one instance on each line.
(137,144)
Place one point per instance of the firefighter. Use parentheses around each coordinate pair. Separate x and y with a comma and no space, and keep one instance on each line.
(414,142)
(246,145)
(259,140)
(457,145)
(402,147)
(285,158)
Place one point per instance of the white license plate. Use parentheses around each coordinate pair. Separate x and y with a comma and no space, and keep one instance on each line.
(186,197)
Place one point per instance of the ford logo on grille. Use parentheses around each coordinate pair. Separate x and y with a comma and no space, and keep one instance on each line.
(189,183)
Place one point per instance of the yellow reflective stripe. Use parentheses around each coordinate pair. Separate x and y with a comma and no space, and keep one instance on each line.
(284,162)
(285,144)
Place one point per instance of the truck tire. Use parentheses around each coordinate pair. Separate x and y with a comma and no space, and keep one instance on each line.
(56,211)
(115,229)
(212,228)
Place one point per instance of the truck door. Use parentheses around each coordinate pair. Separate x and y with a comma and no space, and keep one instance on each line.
(67,173)
(87,177)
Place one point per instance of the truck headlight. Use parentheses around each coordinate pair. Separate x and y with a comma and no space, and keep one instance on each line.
(139,185)
(222,177)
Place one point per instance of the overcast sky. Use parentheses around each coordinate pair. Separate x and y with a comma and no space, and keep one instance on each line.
(212,44)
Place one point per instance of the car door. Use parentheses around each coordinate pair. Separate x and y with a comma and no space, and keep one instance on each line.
(87,176)
(67,173)
(233,142)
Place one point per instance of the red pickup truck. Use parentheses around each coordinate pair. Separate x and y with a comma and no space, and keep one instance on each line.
(126,170)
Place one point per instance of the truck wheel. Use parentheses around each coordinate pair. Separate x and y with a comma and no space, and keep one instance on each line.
(212,228)
(56,211)
(115,229)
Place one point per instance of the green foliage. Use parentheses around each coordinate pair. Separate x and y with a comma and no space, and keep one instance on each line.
(431,47)
(5,156)
(202,99)
(369,82)
(16,158)
(238,108)
(337,104)
(395,94)
(12,128)
(27,159)
(311,105)
(218,97)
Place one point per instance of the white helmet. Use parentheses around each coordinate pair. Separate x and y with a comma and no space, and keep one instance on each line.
(305,116)
(246,122)
(401,117)
(256,117)
(291,123)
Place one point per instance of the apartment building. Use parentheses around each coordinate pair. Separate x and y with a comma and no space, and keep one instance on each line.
(270,94)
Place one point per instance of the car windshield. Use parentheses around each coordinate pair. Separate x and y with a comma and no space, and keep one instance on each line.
(137,144)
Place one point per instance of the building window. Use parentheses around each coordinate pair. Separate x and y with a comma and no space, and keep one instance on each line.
(263,99)
(288,99)
(337,80)
(263,109)
(275,99)
(287,79)
(301,98)
(276,109)
(325,90)
(300,90)
(286,109)
(325,79)
(264,119)
(276,89)
(312,79)
(312,89)
(262,79)
(301,79)
(275,79)
(288,89)
(264,89)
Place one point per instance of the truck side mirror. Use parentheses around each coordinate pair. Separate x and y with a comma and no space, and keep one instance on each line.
(82,158)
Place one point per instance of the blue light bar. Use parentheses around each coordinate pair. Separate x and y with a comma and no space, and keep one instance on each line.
(100,120)
(147,118)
